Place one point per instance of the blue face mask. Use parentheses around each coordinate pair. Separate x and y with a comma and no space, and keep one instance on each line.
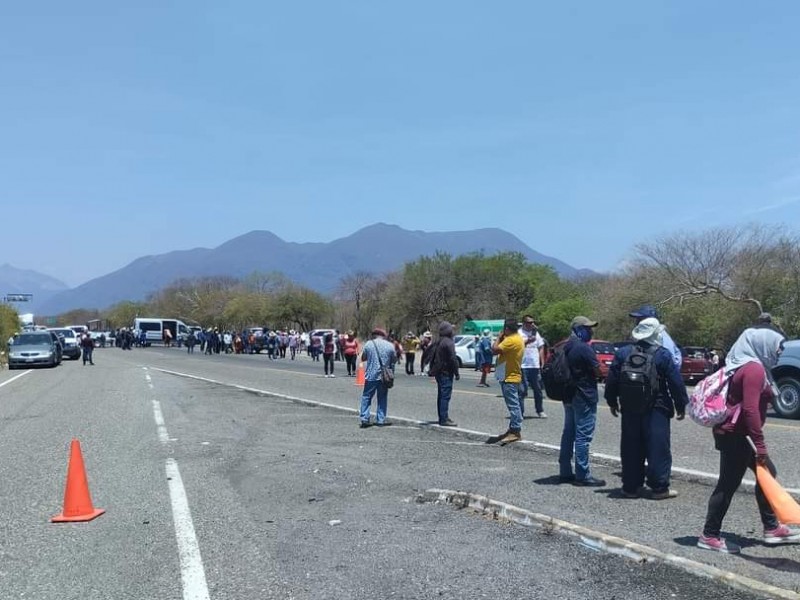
(583,333)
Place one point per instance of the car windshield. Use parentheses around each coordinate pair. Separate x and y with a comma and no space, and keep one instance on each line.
(603,348)
(64,332)
(690,352)
(33,339)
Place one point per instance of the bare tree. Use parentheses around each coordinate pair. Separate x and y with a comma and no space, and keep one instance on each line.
(730,262)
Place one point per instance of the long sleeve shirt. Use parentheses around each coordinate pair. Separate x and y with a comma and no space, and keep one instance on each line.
(750,389)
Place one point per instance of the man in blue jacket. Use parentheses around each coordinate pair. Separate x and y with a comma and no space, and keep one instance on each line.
(580,410)
(645,385)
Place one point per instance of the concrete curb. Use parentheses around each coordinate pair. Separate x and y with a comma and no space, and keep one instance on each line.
(607,459)
(599,541)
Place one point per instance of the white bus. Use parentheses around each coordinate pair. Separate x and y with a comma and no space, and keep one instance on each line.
(154,329)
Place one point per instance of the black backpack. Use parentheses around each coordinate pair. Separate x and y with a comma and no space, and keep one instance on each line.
(638,381)
(557,376)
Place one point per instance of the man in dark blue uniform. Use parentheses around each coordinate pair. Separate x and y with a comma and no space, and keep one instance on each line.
(645,385)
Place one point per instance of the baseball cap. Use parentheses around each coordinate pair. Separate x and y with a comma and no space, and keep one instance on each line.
(648,311)
(583,322)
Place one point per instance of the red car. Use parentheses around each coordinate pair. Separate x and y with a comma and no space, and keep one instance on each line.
(696,363)
(605,354)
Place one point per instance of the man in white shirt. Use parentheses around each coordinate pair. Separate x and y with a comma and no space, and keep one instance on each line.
(531,365)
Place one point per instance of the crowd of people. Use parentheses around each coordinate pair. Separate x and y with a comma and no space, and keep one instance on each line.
(644,389)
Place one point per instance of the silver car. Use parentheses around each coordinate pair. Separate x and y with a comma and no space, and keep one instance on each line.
(33,348)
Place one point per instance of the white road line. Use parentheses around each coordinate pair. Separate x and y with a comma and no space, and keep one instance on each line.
(163,436)
(749,483)
(15,377)
(193,575)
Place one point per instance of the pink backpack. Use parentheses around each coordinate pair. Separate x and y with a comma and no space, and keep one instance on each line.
(708,404)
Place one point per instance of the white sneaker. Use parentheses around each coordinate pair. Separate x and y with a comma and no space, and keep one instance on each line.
(332,375)
(326,375)
(542,415)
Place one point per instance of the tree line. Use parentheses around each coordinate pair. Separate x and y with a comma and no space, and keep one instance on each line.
(707,286)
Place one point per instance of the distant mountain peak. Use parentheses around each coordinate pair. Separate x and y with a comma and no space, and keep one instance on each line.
(377,248)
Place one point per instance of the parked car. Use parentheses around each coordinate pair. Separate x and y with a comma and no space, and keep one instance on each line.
(465,354)
(695,364)
(787,377)
(605,355)
(35,348)
(69,342)
(603,349)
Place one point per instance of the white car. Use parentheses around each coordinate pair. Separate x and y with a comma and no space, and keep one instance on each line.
(465,353)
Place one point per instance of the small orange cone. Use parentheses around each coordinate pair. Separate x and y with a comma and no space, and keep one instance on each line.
(360,375)
(77,501)
(783,505)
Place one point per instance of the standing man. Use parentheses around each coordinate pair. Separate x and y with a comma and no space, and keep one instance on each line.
(580,415)
(410,345)
(531,365)
(444,366)
(645,385)
(377,352)
(484,356)
(510,348)
(87,346)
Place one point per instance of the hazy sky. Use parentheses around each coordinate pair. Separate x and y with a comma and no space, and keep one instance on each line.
(133,128)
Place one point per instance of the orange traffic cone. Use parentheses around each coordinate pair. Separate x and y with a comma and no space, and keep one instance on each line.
(360,375)
(77,501)
(783,505)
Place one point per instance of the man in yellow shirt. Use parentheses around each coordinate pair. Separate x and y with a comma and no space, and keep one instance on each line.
(510,347)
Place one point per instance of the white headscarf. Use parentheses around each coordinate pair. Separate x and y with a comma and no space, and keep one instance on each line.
(755,344)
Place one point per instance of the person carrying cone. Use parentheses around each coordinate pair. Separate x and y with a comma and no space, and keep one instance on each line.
(750,361)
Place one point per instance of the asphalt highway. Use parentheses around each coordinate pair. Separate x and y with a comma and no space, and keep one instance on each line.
(213,492)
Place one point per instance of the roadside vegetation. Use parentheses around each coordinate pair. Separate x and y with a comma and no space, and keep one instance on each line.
(707,285)
(9,325)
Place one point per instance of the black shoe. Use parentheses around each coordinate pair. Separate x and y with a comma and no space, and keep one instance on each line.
(566,478)
(384,424)
(448,423)
(589,482)
(365,424)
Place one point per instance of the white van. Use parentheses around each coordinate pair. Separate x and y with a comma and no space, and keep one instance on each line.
(154,329)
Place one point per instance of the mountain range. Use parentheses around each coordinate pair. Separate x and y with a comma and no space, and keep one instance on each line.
(377,248)
(24,281)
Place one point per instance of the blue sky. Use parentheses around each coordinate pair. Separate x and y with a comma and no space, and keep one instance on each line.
(583,127)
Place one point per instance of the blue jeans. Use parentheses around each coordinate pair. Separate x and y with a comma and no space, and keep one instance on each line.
(579,421)
(511,396)
(370,387)
(530,379)
(646,437)
(444,392)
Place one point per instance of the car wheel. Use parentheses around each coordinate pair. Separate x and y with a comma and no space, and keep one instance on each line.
(460,362)
(787,404)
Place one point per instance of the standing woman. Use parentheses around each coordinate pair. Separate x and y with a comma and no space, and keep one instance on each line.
(350,352)
(328,352)
(750,360)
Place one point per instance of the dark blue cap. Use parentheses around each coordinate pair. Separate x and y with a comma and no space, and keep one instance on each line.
(647,311)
